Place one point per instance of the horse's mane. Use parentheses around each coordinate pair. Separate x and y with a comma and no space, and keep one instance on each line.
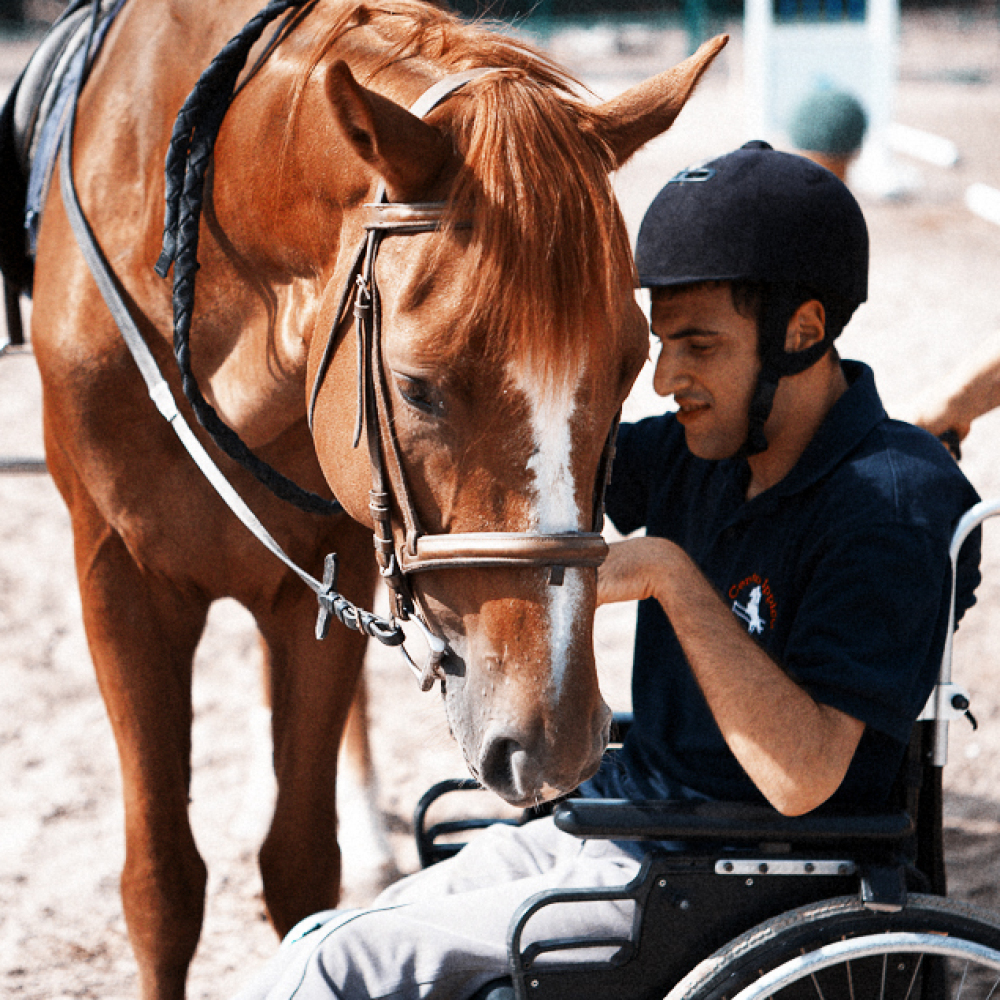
(548,244)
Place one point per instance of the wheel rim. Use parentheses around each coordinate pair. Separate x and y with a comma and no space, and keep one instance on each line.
(872,946)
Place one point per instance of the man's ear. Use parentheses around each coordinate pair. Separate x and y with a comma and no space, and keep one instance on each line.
(806,327)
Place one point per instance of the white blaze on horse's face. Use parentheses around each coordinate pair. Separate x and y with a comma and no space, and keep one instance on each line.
(552,402)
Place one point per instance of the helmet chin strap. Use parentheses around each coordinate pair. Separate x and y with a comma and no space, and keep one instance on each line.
(760,409)
(777,309)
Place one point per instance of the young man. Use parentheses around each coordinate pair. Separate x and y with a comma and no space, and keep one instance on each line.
(801,573)
(794,577)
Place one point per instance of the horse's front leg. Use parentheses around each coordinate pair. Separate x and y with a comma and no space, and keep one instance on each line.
(312,684)
(142,633)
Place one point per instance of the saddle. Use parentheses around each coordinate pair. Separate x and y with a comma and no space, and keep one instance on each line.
(30,128)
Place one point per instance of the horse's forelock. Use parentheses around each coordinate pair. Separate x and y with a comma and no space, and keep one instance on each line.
(548,245)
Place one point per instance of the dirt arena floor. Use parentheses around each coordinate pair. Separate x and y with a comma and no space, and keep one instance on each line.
(933,298)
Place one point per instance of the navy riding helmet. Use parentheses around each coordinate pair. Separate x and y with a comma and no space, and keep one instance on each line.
(771,218)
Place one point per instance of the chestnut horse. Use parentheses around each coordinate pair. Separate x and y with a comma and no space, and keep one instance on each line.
(508,338)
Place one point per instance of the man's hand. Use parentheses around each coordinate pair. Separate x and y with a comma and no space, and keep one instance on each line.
(954,402)
(632,568)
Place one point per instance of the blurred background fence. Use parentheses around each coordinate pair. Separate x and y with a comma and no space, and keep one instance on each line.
(699,18)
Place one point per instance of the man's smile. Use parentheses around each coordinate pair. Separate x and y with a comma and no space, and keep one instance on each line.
(689,409)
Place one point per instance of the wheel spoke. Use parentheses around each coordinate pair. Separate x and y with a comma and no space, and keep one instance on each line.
(913,978)
(817,987)
(961,984)
(815,981)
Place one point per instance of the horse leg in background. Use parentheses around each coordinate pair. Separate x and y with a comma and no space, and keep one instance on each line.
(311,688)
(142,633)
(368,862)
(253,815)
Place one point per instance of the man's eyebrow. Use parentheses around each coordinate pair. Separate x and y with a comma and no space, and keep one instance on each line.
(688,332)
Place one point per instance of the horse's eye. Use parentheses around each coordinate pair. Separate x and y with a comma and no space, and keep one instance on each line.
(421,395)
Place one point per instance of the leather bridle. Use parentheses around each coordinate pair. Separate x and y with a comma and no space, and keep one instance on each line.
(420,552)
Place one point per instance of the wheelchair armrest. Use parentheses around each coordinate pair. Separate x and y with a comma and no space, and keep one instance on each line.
(732,823)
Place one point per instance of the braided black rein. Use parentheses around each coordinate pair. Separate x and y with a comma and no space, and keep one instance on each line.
(191,145)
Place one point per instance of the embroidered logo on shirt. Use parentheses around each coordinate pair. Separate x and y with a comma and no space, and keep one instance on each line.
(753,602)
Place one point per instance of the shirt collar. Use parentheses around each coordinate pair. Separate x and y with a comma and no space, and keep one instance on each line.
(848,423)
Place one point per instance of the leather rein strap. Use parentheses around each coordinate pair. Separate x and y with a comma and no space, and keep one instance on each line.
(330,601)
(419,552)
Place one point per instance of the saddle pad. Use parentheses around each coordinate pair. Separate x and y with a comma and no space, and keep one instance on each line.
(31,124)
(17,121)
(33,89)
(49,120)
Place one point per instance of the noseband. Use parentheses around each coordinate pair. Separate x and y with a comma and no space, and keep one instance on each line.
(419,551)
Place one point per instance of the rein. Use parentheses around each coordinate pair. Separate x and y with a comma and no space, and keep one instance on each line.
(190,152)
(331,602)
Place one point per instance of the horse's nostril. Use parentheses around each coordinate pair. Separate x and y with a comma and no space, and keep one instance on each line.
(497,771)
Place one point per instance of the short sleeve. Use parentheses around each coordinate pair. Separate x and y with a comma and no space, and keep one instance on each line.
(868,634)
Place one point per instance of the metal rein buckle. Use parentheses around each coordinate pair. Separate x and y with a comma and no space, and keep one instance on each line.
(388,631)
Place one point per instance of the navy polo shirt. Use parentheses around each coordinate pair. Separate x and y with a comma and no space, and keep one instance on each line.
(840,572)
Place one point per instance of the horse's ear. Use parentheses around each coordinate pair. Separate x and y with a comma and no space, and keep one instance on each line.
(629,121)
(406,152)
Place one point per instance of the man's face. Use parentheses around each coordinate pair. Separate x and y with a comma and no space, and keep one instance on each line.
(708,362)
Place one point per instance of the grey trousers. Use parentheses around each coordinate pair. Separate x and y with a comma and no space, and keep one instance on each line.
(442,933)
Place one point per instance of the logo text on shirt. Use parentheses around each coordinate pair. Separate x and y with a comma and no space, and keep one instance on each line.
(753,602)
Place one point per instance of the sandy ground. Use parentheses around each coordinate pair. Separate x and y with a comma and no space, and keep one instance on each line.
(933,298)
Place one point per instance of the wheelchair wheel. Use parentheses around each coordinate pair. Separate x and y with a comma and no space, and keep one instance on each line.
(932,949)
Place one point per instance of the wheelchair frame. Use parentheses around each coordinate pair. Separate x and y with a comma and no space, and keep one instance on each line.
(875,881)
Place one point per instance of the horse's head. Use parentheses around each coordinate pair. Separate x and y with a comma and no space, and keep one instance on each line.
(509,338)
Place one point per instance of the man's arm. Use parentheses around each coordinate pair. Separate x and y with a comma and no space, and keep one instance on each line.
(795,750)
(973,390)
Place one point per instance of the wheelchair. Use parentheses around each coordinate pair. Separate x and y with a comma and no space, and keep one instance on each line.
(840,907)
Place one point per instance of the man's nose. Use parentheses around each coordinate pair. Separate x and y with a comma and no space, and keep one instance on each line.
(667,377)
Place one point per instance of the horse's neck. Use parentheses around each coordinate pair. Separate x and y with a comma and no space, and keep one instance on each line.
(247,343)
